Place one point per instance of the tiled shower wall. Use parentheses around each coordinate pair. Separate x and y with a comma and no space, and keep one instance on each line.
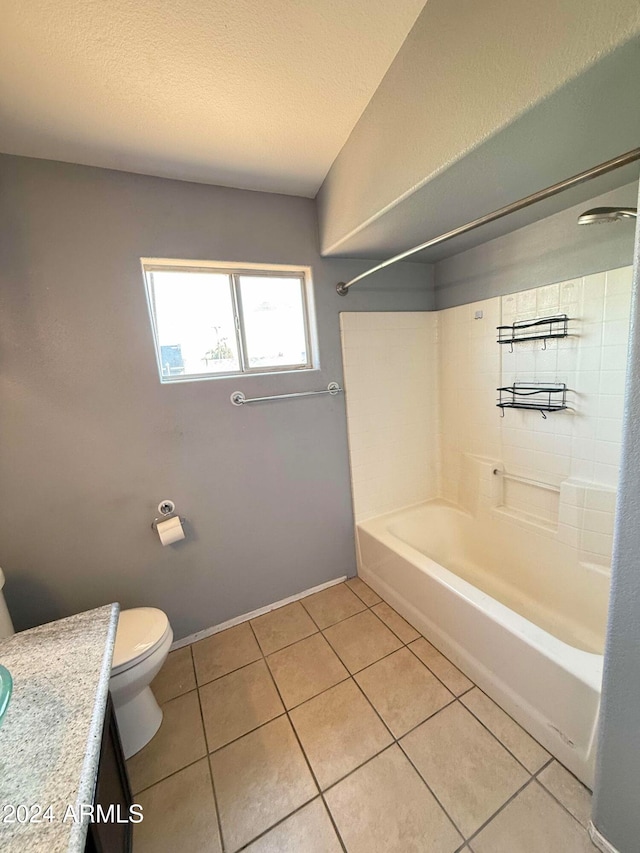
(390,366)
(572,456)
(454,437)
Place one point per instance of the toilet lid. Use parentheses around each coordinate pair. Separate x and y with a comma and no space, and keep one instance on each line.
(139,631)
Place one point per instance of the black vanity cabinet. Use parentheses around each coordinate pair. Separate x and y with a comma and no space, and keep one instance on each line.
(112,792)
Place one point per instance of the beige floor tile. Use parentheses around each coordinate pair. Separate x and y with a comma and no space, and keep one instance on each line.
(533,823)
(238,703)
(450,675)
(282,627)
(224,652)
(572,793)
(307,831)
(403,691)
(179,814)
(306,669)
(259,780)
(339,730)
(176,676)
(384,807)
(527,750)
(361,640)
(470,773)
(363,591)
(400,627)
(332,605)
(178,742)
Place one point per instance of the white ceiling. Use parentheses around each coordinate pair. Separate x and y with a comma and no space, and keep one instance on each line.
(244,93)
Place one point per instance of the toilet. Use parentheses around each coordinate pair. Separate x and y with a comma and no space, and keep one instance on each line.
(143,640)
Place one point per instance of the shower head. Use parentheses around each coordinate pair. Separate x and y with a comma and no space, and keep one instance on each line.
(597,215)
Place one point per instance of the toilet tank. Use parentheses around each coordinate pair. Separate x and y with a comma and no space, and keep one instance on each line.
(6,625)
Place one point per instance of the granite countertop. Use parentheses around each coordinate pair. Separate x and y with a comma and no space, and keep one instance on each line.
(51,736)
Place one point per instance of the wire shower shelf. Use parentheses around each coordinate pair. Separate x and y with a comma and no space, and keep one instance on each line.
(540,397)
(542,329)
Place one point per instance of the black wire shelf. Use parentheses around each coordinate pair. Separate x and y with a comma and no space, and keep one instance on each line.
(543,398)
(543,329)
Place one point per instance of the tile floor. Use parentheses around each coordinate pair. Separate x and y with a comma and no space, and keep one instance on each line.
(331,725)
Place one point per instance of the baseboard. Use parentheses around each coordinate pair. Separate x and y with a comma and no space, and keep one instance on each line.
(600,841)
(208,632)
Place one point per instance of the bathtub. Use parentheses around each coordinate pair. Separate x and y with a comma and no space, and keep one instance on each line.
(509,604)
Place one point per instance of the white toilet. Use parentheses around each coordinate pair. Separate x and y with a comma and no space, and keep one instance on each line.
(143,639)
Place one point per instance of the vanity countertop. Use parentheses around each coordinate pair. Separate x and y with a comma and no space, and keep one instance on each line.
(50,738)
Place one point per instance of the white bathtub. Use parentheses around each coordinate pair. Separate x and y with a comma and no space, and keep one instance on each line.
(511,606)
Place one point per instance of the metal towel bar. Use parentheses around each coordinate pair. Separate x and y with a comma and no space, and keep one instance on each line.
(238,398)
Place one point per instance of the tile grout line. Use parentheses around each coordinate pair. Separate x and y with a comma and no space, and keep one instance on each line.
(315,695)
(197,760)
(474,686)
(495,736)
(337,622)
(350,676)
(321,630)
(278,823)
(553,796)
(231,671)
(326,690)
(169,775)
(162,705)
(456,698)
(362,669)
(356,576)
(208,759)
(333,822)
(287,645)
(435,675)
(395,740)
(359,671)
(306,758)
(249,732)
(260,649)
(432,792)
(513,796)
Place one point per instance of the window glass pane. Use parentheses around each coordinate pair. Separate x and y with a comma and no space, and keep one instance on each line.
(195,322)
(274,324)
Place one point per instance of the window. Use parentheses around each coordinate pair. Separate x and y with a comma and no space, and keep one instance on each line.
(214,320)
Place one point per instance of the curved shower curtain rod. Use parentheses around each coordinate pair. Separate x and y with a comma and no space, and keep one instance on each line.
(540,195)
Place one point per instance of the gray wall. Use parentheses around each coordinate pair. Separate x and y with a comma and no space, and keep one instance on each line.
(553,249)
(484,103)
(615,813)
(90,439)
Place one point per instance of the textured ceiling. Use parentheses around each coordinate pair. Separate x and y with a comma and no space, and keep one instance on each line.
(260,95)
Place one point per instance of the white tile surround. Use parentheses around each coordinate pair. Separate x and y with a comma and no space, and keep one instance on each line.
(390,364)
(421,394)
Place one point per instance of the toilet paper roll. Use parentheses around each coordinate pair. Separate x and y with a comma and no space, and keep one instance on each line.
(170,531)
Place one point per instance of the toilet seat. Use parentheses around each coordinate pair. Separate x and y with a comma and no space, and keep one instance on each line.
(140,631)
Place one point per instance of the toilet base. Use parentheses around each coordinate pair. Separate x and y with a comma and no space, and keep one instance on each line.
(138,721)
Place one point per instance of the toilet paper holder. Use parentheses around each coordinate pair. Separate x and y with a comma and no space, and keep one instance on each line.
(167,510)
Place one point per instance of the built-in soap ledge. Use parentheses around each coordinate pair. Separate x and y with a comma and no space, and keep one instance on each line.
(530,500)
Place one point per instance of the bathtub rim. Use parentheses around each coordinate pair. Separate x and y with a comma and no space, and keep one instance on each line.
(585,665)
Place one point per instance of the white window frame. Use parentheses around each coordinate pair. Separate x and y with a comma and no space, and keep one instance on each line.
(234,271)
